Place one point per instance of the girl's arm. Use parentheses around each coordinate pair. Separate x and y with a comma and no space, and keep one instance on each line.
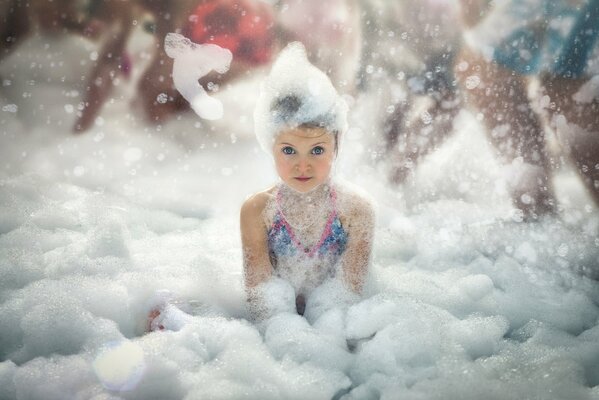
(356,258)
(256,262)
(266,296)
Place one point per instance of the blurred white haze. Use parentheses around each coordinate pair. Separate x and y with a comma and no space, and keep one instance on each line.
(463,300)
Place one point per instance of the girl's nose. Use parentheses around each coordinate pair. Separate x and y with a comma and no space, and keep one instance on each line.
(303,165)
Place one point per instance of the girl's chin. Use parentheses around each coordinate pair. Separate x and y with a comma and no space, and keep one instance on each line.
(303,186)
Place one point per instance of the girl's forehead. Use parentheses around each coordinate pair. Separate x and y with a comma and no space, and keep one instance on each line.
(304,134)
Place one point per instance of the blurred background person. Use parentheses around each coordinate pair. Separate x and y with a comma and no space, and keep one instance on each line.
(20,19)
(406,73)
(506,45)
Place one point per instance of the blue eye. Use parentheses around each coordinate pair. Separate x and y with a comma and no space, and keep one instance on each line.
(317,150)
(288,150)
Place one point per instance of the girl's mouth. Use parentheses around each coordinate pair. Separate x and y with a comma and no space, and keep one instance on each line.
(302,178)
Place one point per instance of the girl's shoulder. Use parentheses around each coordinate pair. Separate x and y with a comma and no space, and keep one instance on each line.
(353,201)
(255,205)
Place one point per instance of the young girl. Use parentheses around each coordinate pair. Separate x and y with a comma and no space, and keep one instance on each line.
(307,229)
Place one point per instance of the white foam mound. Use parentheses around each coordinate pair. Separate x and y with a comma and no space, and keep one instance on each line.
(192,62)
(293,75)
(462,301)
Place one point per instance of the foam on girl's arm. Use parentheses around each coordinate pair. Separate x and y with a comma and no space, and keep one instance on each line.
(266,295)
(270,298)
(356,258)
(256,260)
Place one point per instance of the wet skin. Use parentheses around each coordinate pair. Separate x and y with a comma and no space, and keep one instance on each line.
(304,157)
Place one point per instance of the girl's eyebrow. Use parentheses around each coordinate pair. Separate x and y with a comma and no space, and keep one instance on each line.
(292,145)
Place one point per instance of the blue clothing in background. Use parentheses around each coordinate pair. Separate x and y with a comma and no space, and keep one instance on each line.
(558,38)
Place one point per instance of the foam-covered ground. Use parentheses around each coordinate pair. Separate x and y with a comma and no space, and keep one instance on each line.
(464,300)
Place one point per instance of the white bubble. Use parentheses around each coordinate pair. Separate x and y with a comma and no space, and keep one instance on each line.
(426,118)
(120,366)
(562,250)
(463,66)
(69,108)
(213,87)
(162,98)
(98,137)
(526,198)
(472,82)
(10,108)
(93,55)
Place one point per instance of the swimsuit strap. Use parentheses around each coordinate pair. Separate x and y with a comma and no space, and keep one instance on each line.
(325,233)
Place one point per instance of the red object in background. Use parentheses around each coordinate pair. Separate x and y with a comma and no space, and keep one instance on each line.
(245,27)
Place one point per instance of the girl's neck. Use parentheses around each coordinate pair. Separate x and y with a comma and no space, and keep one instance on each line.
(307,210)
(313,196)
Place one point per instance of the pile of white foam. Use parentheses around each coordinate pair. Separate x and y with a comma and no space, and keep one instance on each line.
(463,301)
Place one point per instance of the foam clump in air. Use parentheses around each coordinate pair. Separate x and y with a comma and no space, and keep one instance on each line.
(296,92)
(192,62)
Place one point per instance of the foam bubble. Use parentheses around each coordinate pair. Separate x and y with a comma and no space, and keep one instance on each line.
(120,365)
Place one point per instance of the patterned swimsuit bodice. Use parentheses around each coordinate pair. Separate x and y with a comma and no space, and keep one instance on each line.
(305,265)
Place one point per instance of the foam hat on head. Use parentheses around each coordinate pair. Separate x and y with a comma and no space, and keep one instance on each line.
(296,93)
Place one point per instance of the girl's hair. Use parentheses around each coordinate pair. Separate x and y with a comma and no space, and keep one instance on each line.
(285,109)
(295,94)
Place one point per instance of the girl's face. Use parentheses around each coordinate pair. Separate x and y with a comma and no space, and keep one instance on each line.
(304,157)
